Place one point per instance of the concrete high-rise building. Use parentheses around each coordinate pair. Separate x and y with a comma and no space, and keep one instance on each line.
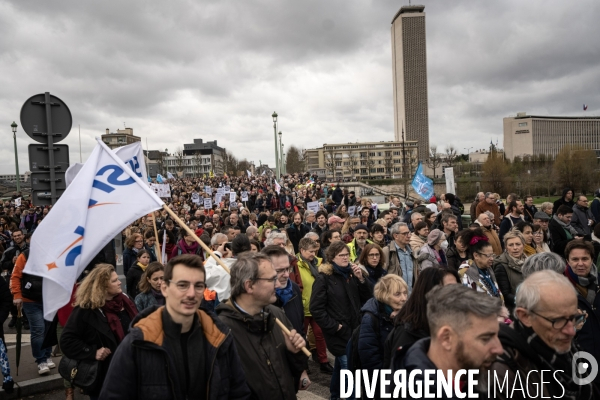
(409,67)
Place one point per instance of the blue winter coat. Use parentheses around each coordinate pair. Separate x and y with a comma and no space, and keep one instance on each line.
(370,342)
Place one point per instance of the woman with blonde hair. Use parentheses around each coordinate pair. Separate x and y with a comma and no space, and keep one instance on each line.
(390,295)
(100,320)
(149,287)
(507,266)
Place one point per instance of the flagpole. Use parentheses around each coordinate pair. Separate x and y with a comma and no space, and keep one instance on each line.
(156,243)
(196,238)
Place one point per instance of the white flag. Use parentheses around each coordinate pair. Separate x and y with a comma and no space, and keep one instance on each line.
(277,187)
(102,200)
(249,174)
(133,154)
(170,176)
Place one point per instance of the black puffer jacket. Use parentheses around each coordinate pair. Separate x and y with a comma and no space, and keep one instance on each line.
(144,367)
(271,370)
(335,300)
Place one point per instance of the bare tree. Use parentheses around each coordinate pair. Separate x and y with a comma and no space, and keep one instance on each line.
(435,160)
(353,160)
(330,161)
(450,157)
(388,162)
(370,163)
(197,163)
(179,161)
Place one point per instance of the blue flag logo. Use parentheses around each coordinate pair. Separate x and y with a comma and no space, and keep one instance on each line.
(422,184)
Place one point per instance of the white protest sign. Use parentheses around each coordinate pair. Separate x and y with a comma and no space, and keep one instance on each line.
(227,188)
(195,198)
(313,206)
(18,202)
(244,196)
(232,197)
(207,204)
(375,209)
(208,190)
(220,191)
(161,189)
(218,198)
(351,210)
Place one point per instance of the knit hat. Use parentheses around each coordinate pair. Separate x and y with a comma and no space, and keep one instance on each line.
(361,226)
(434,236)
(541,215)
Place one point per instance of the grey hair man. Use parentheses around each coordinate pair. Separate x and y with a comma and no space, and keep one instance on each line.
(398,254)
(252,232)
(251,316)
(542,340)
(276,239)
(543,261)
(464,333)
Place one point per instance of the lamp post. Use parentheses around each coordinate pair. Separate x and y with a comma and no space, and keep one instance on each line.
(167,161)
(276,153)
(14,130)
(468,149)
(281,159)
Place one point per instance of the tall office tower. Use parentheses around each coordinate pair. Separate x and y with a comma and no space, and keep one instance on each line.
(409,64)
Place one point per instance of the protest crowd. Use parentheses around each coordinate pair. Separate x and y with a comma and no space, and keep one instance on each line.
(496,285)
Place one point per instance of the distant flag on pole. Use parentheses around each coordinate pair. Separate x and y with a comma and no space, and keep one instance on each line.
(159,178)
(264,171)
(170,176)
(277,187)
(585,107)
(249,174)
(422,184)
(104,193)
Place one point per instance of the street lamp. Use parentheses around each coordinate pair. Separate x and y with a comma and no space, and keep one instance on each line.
(167,161)
(14,130)
(281,160)
(276,154)
(468,149)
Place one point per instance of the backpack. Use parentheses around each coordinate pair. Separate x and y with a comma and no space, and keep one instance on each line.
(352,347)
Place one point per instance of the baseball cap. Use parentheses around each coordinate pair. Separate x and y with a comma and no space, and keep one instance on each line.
(334,219)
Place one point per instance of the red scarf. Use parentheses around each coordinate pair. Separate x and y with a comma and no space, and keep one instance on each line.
(112,308)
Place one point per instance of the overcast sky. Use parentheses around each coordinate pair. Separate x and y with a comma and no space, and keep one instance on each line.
(178,70)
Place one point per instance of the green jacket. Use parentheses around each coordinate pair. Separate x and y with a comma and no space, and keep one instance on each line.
(352,247)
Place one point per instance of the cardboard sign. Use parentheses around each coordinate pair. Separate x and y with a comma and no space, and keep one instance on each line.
(232,197)
(244,196)
(162,190)
(207,204)
(218,198)
(313,206)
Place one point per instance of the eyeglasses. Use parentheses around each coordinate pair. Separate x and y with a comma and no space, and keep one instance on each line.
(407,233)
(486,255)
(375,255)
(283,271)
(561,322)
(272,280)
(183,286)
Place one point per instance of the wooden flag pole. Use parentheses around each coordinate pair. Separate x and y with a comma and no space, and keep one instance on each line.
(156,242)
(287,332)
(196,238)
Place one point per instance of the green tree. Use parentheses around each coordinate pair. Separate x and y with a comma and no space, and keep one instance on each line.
(576,167)
(496,174)
(293,161)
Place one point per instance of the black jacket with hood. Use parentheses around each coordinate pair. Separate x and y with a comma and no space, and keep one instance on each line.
(272,371)
(147,364)
(334,301)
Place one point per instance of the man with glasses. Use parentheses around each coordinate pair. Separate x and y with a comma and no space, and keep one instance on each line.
(308,271)
(272,360)
(289,295)
(398,255)
(180,350)
(582,219)
(542,340)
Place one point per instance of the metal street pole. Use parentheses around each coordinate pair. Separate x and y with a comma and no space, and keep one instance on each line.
(281,160)
(14,130)
(276,153)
